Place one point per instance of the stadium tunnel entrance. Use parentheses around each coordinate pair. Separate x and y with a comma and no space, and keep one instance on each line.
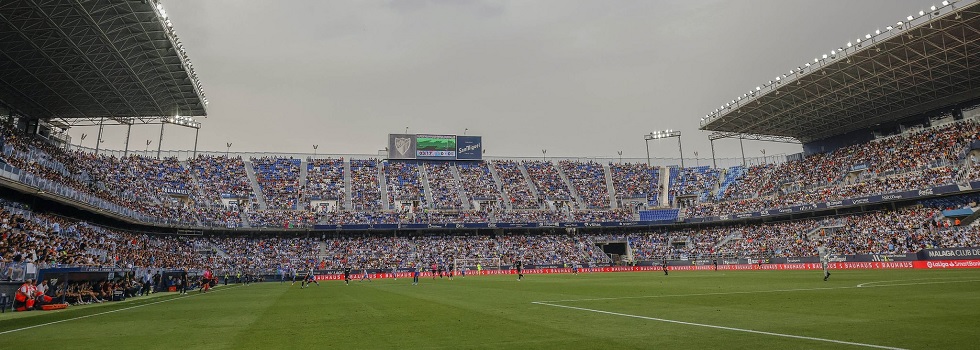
(618,251)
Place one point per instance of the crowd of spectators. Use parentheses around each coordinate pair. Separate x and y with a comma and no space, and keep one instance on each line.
(635,180)
(589,180)
(531,215)
(915,150)
(282,218)
(215,190)
(403,182)
(264,253)
(698,181)
(278,179)
(608,215)
(387,252)
(52,241)
(365,186)
(325,179)
(912,180)
(516,186)
(546,180)
(477,181)
(46,241)
(143,187)
(443,186)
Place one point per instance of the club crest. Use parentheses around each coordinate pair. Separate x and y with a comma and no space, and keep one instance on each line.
(402,145)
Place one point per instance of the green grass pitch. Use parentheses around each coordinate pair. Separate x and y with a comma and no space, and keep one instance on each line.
(913,309)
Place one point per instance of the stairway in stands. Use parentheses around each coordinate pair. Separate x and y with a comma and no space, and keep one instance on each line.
(500,186)
(383,182)
(610,188)
(348,199)
(530,184)
(259,195)
(459,188)
(579,203)
(300,195)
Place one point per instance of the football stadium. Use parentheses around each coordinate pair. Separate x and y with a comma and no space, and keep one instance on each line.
(865,236)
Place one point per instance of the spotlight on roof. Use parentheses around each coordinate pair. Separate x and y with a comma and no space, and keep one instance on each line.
(945,3)
(932,8)
(909,18)
(849,44)
(867,36)
(922,13)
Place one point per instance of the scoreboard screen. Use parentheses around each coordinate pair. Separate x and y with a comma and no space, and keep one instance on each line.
(435,146)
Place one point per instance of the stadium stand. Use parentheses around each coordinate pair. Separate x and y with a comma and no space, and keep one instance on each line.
(278,179)
(404,184)
(633,181)
(546,180)
(589,181)
(515,185)
(365,186)
(325,179)
(443,186)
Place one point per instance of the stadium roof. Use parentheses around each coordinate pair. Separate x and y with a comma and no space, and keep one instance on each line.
(66,59)
(922,63)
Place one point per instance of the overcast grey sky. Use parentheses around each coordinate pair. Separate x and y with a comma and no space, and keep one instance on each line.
(579,78)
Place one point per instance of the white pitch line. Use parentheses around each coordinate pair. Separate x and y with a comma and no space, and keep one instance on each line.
(106,312)
(722,327)
(862,285)
(905,280)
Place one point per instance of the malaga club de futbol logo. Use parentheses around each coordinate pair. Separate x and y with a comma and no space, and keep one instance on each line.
(402,145)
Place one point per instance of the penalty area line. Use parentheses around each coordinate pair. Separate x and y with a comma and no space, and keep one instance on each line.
(107,312)
(720,327)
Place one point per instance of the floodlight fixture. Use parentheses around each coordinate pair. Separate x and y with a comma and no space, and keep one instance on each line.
(932,8)
(922,13)
(945,3)
(909,18)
